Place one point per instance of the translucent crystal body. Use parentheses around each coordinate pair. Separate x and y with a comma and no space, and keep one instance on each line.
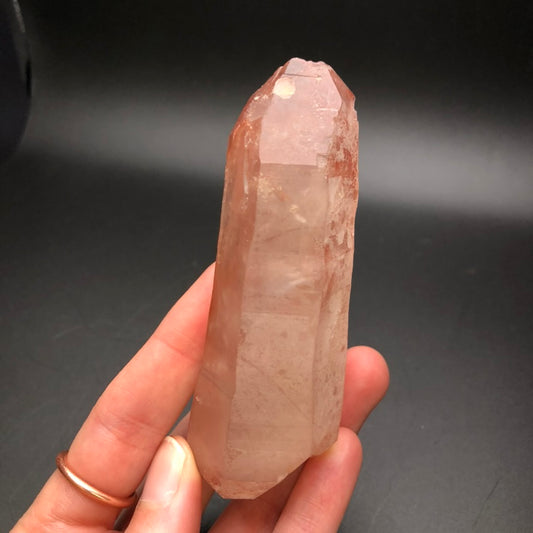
(270,391)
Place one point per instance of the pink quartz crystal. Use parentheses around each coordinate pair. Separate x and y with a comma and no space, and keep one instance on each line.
(270,391)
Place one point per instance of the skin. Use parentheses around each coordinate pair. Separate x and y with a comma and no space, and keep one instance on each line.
(125,439)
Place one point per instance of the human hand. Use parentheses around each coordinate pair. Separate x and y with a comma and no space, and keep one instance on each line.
(123,439)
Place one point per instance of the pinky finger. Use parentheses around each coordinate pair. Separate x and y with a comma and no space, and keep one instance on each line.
(320,497)
(171,498)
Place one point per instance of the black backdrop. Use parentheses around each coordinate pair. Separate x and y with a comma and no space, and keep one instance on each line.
(110,206)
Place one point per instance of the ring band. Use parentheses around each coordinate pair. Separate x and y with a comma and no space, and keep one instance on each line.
(89,490)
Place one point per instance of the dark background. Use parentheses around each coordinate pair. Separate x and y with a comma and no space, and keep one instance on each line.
(110,206)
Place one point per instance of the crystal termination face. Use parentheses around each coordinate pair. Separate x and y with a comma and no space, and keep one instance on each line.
(270,391)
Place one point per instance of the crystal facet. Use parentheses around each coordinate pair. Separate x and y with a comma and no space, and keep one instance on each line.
(270,390)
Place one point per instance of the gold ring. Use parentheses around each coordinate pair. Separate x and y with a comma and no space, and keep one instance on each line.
(89,490)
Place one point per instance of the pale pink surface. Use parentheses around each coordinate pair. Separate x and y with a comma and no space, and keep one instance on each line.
(270,391)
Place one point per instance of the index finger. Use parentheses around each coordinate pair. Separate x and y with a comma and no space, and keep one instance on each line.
(115,445)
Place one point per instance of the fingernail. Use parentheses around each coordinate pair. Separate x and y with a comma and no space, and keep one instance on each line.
(164,475)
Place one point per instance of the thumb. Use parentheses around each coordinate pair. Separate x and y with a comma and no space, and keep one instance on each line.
(171,498)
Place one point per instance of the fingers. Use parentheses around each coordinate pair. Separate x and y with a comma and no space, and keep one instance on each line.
(259,515)
(181,430)
(115,445)
(323,490)
(366,382)
(170,501)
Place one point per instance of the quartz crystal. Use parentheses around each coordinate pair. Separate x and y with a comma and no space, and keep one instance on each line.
(270,391)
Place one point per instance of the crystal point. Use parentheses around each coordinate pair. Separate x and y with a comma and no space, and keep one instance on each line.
(269,394)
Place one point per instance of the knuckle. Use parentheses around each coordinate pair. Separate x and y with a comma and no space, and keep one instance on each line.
(123,427)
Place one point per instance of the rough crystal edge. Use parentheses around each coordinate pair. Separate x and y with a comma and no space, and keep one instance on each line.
(243,490)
